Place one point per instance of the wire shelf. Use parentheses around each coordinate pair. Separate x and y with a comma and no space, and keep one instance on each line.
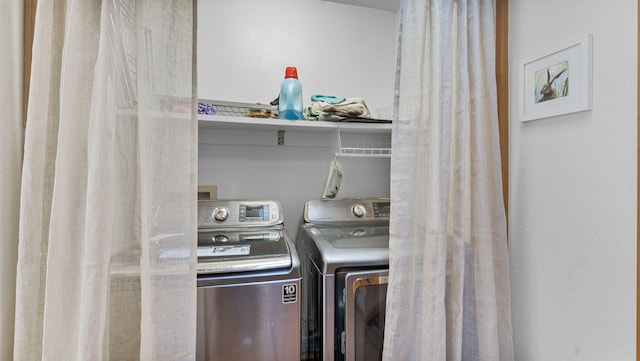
(364,152)
(364,145)
(236,109)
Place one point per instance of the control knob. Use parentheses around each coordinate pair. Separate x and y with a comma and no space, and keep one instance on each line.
(358,210)
(220,214)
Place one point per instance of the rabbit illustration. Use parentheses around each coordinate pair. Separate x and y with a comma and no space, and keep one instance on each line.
(547,91)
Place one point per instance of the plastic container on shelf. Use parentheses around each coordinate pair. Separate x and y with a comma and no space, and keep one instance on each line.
(290,103)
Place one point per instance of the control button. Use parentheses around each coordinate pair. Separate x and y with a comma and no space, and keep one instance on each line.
(358,210)
(221,214)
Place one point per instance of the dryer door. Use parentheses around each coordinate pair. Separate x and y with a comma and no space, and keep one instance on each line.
(363,312)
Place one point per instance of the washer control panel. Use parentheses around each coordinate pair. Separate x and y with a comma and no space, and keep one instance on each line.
(347,210)
(238,213)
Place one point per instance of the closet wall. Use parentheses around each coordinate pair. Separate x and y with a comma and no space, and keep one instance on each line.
(572,185)
(244,47)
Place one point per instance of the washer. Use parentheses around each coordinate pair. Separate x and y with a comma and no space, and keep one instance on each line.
(344,253)
(248,283)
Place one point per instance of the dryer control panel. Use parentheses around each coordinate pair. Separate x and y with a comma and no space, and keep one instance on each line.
(347,210)
(238,213)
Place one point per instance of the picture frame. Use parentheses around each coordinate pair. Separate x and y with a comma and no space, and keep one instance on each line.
(545,90)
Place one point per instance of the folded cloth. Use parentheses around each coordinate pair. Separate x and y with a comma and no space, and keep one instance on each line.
(327,98)
(311,113)
(350,107)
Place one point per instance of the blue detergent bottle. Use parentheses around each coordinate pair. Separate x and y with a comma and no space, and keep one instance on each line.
(290,103)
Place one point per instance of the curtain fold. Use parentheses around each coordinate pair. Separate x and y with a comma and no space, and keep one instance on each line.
(106,246)
(448,295)
(11,139)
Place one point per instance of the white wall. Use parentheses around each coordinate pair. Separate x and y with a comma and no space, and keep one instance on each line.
(250,166)
(572,185)
(244,47)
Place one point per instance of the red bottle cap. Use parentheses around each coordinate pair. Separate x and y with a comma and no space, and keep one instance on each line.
(291,72)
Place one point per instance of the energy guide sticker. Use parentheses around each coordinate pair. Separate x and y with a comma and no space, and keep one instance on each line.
(290,293)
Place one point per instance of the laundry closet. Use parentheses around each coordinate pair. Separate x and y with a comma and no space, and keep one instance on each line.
(339,49)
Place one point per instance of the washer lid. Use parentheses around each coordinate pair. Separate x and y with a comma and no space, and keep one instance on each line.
(348,246)
(353,236)
(230,251)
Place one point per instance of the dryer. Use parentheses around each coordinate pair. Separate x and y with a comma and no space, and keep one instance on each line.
(248,283)
(344,254)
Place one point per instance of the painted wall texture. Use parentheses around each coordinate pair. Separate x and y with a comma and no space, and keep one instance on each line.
(572,185)
(244,47)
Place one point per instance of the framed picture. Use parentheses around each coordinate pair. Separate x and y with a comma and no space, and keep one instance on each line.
(557,83)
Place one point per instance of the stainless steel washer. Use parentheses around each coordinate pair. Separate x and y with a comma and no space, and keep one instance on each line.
(248,305)
(344,252)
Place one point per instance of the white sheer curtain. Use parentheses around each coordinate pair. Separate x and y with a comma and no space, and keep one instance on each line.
(11,138)
(449,296)
(106,226)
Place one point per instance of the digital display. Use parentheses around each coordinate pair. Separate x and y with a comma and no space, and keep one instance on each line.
(382,209)
(254,212)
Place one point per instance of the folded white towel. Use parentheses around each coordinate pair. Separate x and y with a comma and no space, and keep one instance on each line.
(350,107)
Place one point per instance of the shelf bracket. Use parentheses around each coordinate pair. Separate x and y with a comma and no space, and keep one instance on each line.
(280,137)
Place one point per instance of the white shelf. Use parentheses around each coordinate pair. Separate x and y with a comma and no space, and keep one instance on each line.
(226,122)
(348,139)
